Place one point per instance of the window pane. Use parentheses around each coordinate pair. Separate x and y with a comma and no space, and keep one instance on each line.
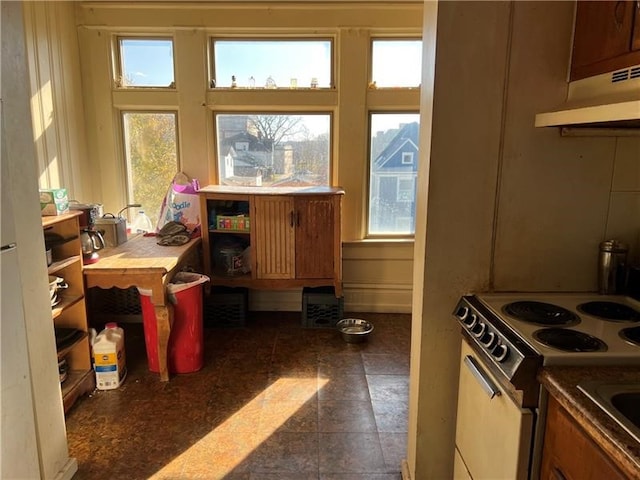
(272,64)
(146,62)
(393,172)
(397,63)
(151,156)
(276,150)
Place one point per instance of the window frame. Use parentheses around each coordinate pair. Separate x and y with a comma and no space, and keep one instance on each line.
(117,66)
(256,37)
(330,114)
(390,38)
(128,184)
(367,194)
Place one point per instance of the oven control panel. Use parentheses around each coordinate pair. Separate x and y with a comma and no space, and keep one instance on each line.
(500,346)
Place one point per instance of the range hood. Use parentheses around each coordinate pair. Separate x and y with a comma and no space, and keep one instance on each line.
(608,101)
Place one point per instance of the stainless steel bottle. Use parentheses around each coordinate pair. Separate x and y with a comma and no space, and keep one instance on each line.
(612,267)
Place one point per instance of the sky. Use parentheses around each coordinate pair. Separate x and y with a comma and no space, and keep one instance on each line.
(149,62)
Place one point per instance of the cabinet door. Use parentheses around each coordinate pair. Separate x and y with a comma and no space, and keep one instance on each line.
(602,37)
(315,227)
(569,453)
(635,38)
(274,236)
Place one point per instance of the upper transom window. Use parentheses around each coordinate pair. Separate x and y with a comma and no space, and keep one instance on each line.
(145,62)
(396,63)
(252,63)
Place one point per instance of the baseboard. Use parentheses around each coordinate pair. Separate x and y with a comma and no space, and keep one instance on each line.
(68,470)
(406,475)
(357,298)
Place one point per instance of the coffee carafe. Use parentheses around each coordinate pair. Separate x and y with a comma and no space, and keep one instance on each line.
(612,267)
(91,242)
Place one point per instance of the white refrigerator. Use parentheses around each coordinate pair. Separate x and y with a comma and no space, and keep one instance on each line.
(18,447)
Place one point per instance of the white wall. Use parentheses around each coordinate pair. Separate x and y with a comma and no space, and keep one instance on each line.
(56,102)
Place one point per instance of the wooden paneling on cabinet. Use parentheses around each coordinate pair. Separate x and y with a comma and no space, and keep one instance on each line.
(568,452)
(294,235)
(606,37)
(70,312)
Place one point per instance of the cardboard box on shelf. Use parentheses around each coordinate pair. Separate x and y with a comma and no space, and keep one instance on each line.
(54,201)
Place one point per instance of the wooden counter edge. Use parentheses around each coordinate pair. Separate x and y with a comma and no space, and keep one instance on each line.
(561,383)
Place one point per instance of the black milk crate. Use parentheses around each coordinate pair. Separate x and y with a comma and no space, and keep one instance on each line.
(320,307)
(226,307)
(114,304)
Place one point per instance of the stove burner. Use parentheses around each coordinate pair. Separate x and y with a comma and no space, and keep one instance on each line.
(540,313)
(616,312)
(569,340)
(631,335)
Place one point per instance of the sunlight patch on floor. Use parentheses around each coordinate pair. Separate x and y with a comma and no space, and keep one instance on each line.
(222,450)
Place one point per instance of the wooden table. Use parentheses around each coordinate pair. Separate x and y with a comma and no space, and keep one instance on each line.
(142,263)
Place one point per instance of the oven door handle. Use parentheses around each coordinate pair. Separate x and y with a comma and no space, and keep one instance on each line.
(485,382)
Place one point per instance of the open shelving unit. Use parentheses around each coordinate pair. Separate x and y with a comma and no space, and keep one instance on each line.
(70,314)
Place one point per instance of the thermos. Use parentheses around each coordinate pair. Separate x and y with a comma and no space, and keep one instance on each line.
(612,267)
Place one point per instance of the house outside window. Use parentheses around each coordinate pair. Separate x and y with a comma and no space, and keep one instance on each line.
(407,158)
(394,138)
(276,150)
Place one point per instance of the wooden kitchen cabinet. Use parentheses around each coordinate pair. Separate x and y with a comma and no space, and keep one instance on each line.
(70,313)
(293,236)
(569,453)
(606,37)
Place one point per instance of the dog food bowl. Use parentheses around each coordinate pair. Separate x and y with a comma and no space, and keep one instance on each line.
(354,330)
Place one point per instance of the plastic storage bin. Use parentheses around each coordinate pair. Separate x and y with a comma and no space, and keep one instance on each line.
(226,307)
(186,342)
(320,307)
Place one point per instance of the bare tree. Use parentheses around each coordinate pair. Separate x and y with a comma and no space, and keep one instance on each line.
(275,128)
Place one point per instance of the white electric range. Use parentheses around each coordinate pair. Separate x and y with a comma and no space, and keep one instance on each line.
(507,338)
(572,329)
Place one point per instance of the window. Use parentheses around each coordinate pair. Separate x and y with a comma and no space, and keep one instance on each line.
(407,158)
(267,149)
(150,142)
(145,62)
(396,63)
(394,140)
(272,63)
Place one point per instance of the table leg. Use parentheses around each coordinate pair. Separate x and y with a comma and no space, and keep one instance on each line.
(163,318)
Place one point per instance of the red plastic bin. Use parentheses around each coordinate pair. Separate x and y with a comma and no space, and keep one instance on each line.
(186,341)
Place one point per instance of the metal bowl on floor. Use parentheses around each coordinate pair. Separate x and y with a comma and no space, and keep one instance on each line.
(354,330)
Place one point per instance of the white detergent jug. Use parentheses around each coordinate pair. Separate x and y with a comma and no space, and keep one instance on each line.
(109,359)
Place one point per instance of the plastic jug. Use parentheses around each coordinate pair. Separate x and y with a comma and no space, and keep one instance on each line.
(141,223)
(109,360)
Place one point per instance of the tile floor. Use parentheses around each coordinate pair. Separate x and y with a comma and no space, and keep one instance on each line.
(272,401)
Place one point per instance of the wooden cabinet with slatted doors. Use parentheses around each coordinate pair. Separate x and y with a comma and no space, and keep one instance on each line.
(294,236)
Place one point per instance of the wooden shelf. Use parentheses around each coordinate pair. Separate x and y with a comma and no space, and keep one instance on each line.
(71,311)
(64,263)
(62,352)
(235,232)
(66,302)
(78,382)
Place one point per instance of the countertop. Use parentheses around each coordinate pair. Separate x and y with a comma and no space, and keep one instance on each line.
(561,383)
